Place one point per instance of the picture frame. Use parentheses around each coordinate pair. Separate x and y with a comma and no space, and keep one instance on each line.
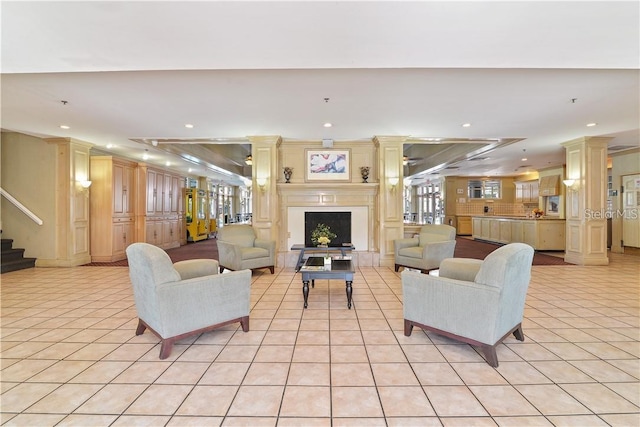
(553,206)
(327,165)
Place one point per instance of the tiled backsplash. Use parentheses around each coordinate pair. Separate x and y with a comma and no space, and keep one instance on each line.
(495,208)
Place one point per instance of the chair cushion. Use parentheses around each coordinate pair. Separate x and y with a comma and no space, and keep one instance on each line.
(412,252)
(253,253)
(244,241)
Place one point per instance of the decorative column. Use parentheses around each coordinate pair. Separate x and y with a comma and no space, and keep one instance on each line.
(264,176)
(390,198)
(586,224)
(72,186)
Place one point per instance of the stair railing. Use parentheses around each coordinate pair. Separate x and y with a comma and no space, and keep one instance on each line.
(20,206)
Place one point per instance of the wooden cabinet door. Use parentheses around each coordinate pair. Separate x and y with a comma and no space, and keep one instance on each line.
(154,232)
(505,231)
(519,192)
(123,177)
(476,227)
(128,190)
(175,194)
(160,194)
(122,238)
(152,192)
(166,194)
(534,191)
(529,233)
(119,202)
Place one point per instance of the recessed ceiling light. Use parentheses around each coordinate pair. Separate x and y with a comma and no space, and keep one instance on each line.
(64,127)
(145,156)
(466,125)
(190,170)
(591,124)
(327,125)
(168,163)
(188,125)
(110,146)
(524,159)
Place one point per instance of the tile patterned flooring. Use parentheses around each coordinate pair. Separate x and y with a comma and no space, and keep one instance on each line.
(70,357)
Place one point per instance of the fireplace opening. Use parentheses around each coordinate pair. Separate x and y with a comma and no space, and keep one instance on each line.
(338,222)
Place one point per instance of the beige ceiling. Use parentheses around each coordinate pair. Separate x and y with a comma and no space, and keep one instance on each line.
(528,75)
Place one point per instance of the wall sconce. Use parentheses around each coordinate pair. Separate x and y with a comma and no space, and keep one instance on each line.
(262,182)
(85,184)
(569,183)
(393,182)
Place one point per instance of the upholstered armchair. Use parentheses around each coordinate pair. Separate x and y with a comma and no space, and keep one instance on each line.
(473,301)
(433,244)
(178,300)
(239,249)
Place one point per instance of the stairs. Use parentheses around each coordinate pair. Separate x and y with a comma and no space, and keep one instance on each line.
(13,259)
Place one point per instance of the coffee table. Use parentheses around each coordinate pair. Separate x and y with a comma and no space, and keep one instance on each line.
(302,248)
(314,268)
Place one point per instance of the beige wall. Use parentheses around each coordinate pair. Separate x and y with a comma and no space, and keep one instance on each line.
(28,174)
(293,154)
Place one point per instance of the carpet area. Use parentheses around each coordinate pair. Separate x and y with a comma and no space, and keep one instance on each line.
(465,248)
(201,249)
(468,248)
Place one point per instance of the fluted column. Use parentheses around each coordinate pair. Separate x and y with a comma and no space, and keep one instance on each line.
(390,200)
(586,224)
(264,176)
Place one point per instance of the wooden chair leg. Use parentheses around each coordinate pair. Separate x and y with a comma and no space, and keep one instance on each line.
(244,322)
(397,266)
(518,333)
(221,269)
(165,348)
(141,327)
(408,327)
(490,354)
(272,269)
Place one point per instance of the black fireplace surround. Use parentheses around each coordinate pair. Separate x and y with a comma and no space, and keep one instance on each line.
(338,222)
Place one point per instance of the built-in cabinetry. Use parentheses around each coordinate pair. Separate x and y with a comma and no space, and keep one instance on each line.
(463,225)
(164,201)
(113,193)
(541,234)
(526,191)
(132,203)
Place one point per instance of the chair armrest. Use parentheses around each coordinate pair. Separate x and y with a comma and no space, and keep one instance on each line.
(439,250)
(404,243)
(269,245)
(191,268)
(229,254)
(195,303)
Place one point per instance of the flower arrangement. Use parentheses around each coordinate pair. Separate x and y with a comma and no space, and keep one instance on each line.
(537,212)
(322,235)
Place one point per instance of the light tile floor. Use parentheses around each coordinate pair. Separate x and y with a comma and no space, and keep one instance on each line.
(70,357)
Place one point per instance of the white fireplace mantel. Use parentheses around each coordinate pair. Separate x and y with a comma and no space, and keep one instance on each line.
(358,198)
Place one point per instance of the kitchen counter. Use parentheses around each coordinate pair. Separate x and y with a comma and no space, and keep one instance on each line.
(541,233)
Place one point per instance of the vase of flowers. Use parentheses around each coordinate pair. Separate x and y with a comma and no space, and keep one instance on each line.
(364,171)
(537,212)
(322,235)
(287,173)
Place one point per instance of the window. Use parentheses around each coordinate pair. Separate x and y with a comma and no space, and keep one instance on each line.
(484,189)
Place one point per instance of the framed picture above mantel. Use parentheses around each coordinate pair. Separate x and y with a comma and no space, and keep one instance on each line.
(327,165)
